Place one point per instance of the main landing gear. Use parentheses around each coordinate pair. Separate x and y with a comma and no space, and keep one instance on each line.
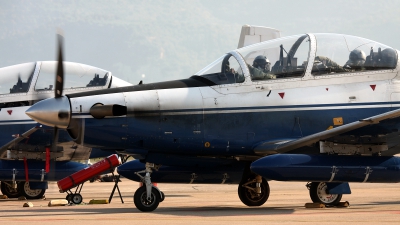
(147,197)
(7,188)
(21,189)
(253,190)
(25,190)
(319,194)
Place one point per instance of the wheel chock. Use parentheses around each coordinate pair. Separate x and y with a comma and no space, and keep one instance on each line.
(314,205)
(28,204)
(98,201)
(343,204)
(21,198)
(58,202)
(3,197)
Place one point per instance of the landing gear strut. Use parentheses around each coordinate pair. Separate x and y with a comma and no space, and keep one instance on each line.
(319,193)
(253,190)
(147,197)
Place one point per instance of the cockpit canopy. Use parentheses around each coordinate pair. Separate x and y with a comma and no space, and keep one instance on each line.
(225,70)
(18,78)
(338,53)
(75,76)
(288,57)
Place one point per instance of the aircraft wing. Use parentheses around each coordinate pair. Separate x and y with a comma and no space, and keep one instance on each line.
(17,139)
(268,148)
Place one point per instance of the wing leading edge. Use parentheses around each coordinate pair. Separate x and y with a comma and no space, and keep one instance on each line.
(268,147)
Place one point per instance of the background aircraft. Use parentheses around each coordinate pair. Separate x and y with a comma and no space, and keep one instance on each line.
(330,113)
(22,138)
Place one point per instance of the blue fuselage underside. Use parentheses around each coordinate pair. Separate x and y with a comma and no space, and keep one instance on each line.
(228,133)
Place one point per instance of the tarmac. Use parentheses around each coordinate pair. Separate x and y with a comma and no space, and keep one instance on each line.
(208,204)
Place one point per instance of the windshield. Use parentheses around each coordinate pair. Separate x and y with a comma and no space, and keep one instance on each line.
(76,75)
(338,53)
(17,78)
(224,70)
(279,58)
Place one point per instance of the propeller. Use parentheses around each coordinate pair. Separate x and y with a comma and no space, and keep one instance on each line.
(59,86)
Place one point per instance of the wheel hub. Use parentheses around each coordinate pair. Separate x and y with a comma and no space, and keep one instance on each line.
(323,195)
(147,201)
(31,192)
(11,190)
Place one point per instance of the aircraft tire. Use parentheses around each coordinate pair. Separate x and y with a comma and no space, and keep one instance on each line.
(249,197)
(162,197)
(318,194)
(9,191)
(76,199)
(141,202)
(25,190)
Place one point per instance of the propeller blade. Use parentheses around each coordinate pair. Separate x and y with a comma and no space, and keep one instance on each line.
(52,151)
(59,84)
(55,140)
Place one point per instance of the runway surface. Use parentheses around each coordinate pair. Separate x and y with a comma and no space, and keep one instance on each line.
(209,204)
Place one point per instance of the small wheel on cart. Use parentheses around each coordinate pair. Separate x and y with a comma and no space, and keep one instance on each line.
(76,199)
(68,197)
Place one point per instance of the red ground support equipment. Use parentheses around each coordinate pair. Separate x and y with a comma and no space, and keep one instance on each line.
(78,178)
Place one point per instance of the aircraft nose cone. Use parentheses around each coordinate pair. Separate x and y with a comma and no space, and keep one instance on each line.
(54,112)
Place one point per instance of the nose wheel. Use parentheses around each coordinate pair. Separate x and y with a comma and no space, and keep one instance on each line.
(147,197)
(144,203)
(319,194)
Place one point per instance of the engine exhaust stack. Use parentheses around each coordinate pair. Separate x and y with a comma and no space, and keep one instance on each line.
(99,111)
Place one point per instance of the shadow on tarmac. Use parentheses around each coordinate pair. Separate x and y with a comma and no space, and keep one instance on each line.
(178,211)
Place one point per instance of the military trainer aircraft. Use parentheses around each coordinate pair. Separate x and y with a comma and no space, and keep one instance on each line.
(20,87)
(319,108)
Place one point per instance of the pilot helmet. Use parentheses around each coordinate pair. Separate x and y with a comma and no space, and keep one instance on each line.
(389,57)
(356,58)
(262,62)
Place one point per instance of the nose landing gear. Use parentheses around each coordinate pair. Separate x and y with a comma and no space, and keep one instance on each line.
(147,197)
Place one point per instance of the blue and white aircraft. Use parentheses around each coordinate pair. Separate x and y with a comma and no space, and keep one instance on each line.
(319,108)
(21,137)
